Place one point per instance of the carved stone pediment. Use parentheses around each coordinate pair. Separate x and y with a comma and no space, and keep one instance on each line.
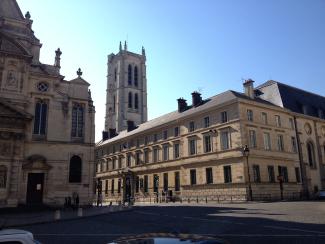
(9,110)
(36,162)
(11,46)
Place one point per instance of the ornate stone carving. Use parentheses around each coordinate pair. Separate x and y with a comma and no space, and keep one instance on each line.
(11,80)
(323,131)
(308,129)
(10,47)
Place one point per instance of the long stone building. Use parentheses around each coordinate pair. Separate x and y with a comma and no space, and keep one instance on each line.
(46,122)
(267,142)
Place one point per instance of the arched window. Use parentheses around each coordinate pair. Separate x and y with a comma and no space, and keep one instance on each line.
(136,101)
(130,99)
(75,169)
(3,176)
(136,76)
(115,74)
(130,74)
(40,118)
(311,154)
(77,120)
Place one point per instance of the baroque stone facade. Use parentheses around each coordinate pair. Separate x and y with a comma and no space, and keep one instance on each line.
(46,122)
(197,152)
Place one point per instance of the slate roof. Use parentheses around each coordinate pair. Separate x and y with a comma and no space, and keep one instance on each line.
(10,9)
(174,116)
(292,98)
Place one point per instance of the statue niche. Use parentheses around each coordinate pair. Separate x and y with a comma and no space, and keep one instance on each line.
(11,81)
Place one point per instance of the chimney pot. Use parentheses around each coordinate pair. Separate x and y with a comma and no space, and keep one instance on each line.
(196,99)
(182,105)
(105,135)
(249,88)
(131,125)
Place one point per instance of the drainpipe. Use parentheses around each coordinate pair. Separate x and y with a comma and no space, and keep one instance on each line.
(303,173)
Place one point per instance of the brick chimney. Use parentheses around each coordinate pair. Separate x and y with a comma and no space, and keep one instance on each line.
(196,99)
(105,135)
(131,125)
(249,88)
(182,104)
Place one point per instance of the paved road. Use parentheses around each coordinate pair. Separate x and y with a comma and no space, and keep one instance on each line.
(283,222)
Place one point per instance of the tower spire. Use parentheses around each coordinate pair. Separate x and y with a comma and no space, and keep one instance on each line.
(125,46)
(120,46)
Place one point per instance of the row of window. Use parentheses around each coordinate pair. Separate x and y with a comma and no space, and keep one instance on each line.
(264,119)
(133,75)
(143,156)
(267,141)
(41,116)
(142,183)
(280,145)
(165,134)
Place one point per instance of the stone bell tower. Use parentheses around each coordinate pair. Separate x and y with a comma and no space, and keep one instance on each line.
(126,94)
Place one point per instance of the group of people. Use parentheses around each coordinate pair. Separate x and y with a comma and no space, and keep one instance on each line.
(72,202)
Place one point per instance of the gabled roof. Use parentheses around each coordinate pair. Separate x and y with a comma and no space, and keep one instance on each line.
(10,9)
(80,81)
(292,98)
(211,102)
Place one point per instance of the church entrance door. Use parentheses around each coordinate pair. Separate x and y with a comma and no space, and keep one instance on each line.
(35,184)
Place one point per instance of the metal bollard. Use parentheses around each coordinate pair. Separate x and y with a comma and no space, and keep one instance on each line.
(57,215)
(80,213)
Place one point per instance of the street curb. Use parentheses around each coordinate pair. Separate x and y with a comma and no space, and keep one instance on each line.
(65,220)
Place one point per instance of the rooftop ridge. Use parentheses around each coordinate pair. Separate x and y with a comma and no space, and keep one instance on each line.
(271,82)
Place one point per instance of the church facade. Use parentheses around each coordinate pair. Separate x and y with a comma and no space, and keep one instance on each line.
(46,122)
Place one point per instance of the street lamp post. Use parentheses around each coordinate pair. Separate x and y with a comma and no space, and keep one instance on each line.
(246,154)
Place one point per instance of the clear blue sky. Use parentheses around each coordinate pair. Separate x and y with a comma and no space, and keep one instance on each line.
(204,45)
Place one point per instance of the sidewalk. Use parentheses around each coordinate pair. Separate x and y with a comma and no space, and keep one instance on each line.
(8,220)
